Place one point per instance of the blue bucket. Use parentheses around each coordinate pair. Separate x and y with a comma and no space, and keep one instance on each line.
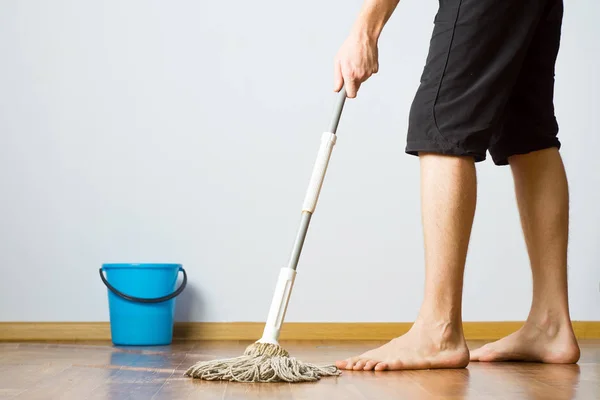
(141,301)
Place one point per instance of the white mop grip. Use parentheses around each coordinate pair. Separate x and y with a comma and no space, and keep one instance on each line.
(279,304)
(319,170)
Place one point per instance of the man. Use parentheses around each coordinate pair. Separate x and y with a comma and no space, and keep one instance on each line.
(487,85)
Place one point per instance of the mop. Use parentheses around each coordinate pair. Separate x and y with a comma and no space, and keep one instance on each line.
(265,360)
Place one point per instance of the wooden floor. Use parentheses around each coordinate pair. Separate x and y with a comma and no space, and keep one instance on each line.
(100,371)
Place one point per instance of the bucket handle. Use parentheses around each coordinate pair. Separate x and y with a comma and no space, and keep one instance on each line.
(145,300)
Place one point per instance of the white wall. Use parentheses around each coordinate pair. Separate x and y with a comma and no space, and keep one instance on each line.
(185,131)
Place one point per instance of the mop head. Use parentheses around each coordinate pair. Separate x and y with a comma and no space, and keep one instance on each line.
(261,362)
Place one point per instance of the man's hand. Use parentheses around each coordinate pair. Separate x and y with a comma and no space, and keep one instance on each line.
(355,62)
(357,59)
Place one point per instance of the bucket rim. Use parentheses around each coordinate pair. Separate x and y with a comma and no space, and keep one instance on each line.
(140,265)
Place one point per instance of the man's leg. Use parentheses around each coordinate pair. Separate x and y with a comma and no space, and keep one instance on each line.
(543,200)
(448,196)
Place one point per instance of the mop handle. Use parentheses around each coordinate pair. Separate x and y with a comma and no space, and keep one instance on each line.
(285,282)
(337,113)
(320,168)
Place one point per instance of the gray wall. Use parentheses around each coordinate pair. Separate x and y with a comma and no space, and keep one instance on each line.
(185,131)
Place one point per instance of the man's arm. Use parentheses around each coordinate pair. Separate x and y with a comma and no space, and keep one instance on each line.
(357,59)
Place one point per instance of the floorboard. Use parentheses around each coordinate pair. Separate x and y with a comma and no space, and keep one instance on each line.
(100,371)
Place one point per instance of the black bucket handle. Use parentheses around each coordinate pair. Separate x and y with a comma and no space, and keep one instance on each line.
(144,300)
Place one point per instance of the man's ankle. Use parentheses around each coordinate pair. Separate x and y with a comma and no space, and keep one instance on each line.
(441,328)
(550,321)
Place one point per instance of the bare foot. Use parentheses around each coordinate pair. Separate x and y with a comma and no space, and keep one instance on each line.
(546,342)
(425,346)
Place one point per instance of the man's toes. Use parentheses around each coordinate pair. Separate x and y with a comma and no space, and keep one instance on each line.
(350,363)
(341,364)
(370,365)
(360,364)
(381,366)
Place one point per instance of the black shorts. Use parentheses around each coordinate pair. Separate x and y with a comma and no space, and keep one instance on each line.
(488,83)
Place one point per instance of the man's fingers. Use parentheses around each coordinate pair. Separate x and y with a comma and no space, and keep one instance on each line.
(338,80)
(348,80)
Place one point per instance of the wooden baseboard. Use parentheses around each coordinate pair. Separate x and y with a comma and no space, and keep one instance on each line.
(89,331)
